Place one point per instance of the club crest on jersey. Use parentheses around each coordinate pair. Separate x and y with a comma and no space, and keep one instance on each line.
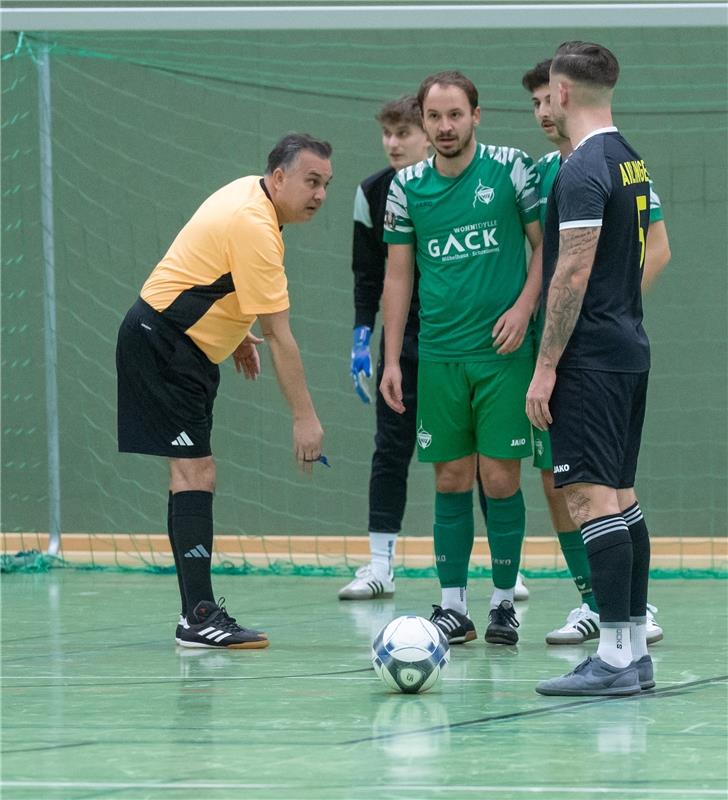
(483,194)
(390,220)
(424,439)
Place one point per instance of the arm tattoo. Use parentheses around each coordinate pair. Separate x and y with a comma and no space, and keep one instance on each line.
(577,247)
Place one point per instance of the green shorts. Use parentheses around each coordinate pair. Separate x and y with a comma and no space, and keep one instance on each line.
(473,407)
(542,458)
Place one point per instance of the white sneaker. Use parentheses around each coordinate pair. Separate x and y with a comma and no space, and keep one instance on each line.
(367,585)
(521,590)
(654,631)
(581,625)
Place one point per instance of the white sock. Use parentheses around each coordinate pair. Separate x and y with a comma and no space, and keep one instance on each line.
(499,595)
(615,644)
(382,547)
(456,598)
(638,637)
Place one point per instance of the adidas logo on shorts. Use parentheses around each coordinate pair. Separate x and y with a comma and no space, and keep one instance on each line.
(183,440)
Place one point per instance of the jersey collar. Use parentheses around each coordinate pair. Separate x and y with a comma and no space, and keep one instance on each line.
(597,132)
(267,194)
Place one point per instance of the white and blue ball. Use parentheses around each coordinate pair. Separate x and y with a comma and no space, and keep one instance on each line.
(409,654)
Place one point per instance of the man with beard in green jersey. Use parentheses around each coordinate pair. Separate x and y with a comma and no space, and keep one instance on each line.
(466,213)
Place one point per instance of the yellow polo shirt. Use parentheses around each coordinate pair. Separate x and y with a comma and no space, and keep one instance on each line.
(224,268)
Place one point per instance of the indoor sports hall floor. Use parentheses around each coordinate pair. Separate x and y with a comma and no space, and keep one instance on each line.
(98,702)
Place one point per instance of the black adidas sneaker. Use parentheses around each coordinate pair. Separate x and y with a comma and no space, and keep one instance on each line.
(209,625)
(502,624)
(458,628)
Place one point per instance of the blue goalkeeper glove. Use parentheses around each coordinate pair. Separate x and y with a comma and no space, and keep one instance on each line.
(361,362)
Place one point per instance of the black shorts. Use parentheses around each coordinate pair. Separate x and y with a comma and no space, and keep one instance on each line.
(597,426)
(166,388)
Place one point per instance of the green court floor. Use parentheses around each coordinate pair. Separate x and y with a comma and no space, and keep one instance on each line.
(98,702)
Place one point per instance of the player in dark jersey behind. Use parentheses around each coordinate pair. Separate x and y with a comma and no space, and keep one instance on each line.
(223,271)
(590,383)
(582,623)
(405,143)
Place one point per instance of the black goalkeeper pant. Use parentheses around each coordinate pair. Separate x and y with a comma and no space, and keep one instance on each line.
(394,444)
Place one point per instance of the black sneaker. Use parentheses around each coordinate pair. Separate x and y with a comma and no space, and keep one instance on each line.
(502,624)
(458,628)
(183,625)
(209,625)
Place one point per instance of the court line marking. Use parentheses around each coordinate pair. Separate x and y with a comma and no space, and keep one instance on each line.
(111,680)
(25,682)
(554,709)
(213,785)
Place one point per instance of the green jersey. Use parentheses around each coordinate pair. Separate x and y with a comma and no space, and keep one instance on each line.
(548,166)
(469,241)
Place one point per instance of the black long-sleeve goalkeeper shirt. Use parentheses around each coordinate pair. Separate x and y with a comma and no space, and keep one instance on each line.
(370,253)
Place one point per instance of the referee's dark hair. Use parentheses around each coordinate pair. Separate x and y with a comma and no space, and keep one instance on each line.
(450,77)
(287,149)
(537,77)
(586,62)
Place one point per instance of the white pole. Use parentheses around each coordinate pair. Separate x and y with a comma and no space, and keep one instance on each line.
(49,298)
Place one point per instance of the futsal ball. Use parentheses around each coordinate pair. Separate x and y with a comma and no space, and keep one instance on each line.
(409,654)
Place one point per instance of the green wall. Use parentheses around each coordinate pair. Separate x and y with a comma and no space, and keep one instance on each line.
(145,126)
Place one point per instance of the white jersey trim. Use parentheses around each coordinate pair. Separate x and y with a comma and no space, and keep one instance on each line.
(581,223)
(362,212)
(609,129)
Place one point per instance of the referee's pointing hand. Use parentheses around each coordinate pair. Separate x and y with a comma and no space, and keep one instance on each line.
(307,439)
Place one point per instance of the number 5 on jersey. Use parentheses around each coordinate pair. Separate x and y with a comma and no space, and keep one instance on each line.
(641,206)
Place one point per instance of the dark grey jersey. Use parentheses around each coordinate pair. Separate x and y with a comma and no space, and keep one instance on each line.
(604,183)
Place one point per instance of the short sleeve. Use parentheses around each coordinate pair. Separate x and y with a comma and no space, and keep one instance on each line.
(398,227)
(362,211)
(525,178)
(582,189)
(255,256)
(656,214)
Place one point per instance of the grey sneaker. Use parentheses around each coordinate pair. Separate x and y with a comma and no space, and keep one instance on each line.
(593,677)
(645,672)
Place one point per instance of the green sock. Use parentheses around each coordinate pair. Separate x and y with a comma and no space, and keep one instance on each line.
(506,526)
(572,546)
(453,531)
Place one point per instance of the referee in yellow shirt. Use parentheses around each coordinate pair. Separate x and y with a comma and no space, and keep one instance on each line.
(222,272)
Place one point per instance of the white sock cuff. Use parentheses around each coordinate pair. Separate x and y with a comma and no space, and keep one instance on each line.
(382,545)
(499,595)
(633,514)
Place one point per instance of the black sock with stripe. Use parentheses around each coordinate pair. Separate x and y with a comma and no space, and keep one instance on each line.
(183,597)
(609,547)
(192,531)
(640,558)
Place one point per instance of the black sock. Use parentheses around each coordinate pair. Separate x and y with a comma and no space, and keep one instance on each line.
(640,558)
(183,598)
(609,547)
(192,531)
